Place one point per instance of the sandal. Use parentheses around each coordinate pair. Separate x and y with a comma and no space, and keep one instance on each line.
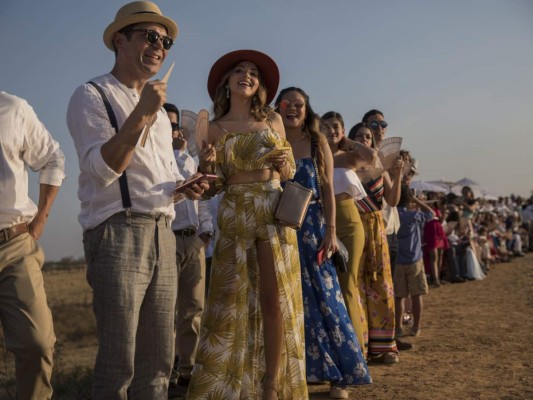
(338,392)
(270,386)
(390,358)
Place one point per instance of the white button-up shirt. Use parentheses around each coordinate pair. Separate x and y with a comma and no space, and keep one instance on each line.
(391,219)
(24,140)
(152,172)
(191,214)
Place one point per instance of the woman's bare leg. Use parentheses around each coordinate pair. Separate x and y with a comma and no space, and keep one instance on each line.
(272,318)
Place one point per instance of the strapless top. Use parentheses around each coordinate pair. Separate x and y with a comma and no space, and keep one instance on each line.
(244,152)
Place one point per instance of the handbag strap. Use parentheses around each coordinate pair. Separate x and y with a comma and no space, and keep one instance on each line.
(123,180)
(318,180)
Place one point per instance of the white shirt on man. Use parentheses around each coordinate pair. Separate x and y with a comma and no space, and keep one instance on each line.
(24,141)
(191,214)
(152,172)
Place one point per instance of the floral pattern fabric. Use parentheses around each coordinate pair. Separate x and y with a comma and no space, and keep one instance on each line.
(333,352)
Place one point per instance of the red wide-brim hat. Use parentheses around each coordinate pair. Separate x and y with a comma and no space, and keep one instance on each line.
(268,70)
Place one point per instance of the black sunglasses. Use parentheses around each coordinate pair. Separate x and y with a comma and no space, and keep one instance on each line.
(374,124)
(152,37)
(175,126)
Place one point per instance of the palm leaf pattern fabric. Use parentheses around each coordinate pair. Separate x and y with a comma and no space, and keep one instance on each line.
(230,363)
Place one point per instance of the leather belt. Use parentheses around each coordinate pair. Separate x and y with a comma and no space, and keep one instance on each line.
(185,232)
(12,232)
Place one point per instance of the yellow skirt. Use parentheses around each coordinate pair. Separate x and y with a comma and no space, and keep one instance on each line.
(375,285)
(230,363)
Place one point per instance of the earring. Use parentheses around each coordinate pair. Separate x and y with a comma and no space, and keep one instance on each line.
(227,91)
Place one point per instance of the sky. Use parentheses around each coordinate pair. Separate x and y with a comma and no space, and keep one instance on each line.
(453,77)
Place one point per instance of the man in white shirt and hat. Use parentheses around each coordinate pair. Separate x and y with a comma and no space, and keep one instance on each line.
(26,318)
(126,189)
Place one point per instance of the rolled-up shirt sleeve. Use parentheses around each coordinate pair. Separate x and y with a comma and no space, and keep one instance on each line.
(40,151)
(89,125)
(204,217)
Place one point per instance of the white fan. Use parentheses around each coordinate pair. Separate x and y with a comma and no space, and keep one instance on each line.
(202,128)
(389,150)
(188,125)
(195,128)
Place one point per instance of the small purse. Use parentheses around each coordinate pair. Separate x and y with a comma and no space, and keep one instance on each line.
(293,204)
(340,257)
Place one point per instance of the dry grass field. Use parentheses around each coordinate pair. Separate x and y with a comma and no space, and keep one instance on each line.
(475,342)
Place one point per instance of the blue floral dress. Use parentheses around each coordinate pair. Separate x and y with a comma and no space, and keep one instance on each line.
(333,352)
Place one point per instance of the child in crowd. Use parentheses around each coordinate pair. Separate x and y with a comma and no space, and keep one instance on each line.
(409,276)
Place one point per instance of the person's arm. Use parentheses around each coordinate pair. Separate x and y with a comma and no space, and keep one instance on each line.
(285,164)
(47,195)
(41,153)
(423,206)
(205,229)
(392,188)
(359,155)
(118,150)
(328,202)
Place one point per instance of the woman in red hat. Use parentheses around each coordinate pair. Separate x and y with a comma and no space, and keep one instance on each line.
(252,328)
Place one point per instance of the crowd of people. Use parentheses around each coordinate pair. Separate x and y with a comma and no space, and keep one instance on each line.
(199,291)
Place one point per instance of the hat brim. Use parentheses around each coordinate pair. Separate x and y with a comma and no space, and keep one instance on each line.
(267,67)
(172,27)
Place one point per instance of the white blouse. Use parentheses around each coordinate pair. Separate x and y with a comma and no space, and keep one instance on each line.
(346,181)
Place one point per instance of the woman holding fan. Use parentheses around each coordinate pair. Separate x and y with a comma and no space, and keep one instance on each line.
(252,329)
(375,277)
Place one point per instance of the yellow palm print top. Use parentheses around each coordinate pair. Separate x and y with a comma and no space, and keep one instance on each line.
(243,152)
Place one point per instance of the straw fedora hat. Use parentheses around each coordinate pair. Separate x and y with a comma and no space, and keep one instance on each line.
(267,68)
(135,13)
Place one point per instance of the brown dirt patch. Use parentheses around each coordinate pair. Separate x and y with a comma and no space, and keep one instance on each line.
(475,341)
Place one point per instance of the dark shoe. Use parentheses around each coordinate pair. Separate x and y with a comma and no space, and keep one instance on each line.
(458,280)
(178,390)
(403,346)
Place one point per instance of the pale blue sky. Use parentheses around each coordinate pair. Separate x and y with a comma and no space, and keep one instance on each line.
(454,78)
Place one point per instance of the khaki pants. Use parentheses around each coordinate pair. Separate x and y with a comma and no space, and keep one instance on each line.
(190,258)
(25,316)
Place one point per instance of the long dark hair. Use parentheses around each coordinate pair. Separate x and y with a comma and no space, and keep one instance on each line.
(356,127)
(310,127)
(333,114)
(368,114)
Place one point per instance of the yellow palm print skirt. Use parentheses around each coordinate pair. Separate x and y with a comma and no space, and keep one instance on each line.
(230,363)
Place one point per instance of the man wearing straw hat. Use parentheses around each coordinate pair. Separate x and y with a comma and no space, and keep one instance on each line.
(127,191)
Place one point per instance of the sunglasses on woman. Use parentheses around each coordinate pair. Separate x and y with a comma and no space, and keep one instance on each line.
(374,125)
(152,37)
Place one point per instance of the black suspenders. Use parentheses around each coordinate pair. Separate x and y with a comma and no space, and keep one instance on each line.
(123,180)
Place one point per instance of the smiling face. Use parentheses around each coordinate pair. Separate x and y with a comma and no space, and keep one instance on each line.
(364,136)
(140,57)
(334,130)
(292,109)
(377,129)
(244,79)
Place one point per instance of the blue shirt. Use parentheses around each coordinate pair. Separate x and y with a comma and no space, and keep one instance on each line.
(409,236)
